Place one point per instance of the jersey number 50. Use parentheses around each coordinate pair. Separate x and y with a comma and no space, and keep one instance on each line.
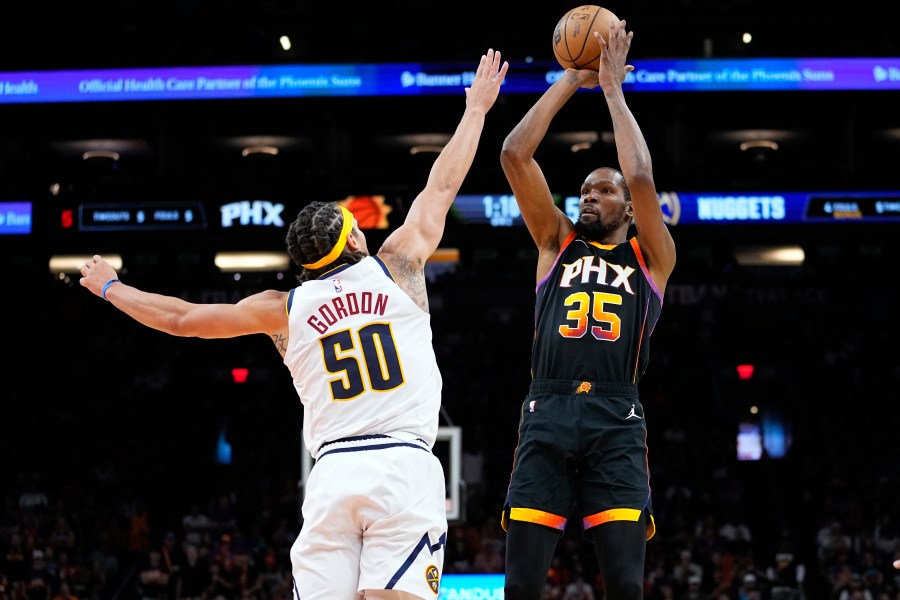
(376,354)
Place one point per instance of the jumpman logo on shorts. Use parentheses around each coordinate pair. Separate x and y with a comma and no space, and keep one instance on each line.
(632,414)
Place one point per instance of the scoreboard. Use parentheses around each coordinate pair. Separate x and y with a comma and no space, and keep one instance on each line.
(708,208)
(141,216)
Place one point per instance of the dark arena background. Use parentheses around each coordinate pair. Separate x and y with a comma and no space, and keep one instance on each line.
(772,391)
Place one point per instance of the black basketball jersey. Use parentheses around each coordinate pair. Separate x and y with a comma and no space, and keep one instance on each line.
(594,314)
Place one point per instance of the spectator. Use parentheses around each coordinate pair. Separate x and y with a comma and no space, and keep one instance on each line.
(249,583)
(785,577)
(138,531)
(37,589)
(42,568)
(33,499)
(14,564)
(489,558)
(103,561)
(193,576)
(223,584)
(283,538)
(855,590)
(749,588)
(62,537)
(271,575)
(886,536)
(171,559)
(578,589)
(685,569)
(196,526)
(736,533)
(458,558)
(692,591)
(222,553)
(224,515)
(64,593)
(153,577)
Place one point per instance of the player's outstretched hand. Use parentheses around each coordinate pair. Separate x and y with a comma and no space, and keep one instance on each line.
(486,86)
(95,273)
(614,52)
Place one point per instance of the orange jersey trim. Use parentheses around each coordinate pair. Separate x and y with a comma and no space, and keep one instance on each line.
(601,246)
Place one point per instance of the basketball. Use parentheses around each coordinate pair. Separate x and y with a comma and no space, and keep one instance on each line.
(573,39)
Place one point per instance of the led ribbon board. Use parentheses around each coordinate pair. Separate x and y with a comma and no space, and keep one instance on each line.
(413,79)
(699,208)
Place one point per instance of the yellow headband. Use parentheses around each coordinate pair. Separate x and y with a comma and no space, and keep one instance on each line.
(339,246)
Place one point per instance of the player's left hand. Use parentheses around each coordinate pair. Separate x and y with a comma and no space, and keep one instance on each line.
(614,52)
(485,88)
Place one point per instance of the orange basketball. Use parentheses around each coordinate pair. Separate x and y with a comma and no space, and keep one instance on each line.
(573,39)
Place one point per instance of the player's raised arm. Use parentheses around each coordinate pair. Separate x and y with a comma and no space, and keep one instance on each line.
(420,234)
(634,156)
(547,224)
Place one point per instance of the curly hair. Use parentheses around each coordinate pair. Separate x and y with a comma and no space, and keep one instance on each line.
(313,234)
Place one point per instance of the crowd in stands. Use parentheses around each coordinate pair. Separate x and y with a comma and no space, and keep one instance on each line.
(118,493)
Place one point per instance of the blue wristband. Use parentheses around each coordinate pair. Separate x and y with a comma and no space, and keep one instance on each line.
(106,287)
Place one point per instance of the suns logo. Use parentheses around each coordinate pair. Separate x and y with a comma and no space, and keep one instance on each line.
(433,578)
(584,388)
(370,211)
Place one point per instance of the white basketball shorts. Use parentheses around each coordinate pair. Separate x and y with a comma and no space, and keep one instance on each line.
(374,517)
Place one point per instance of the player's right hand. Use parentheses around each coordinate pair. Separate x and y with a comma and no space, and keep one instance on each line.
(587,78)
(590,78)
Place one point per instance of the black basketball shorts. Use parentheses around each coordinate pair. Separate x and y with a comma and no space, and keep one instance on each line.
(582,446)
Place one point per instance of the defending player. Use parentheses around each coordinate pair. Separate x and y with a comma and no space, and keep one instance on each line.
(356,337)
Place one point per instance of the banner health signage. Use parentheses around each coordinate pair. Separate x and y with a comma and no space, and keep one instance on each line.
(411,79)
(15,218)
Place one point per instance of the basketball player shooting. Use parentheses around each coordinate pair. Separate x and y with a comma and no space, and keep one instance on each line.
(599,293)
(374,517)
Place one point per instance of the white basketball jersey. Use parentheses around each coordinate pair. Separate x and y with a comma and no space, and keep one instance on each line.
(360,354)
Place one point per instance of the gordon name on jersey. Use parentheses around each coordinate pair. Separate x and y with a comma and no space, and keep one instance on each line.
(346,305)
